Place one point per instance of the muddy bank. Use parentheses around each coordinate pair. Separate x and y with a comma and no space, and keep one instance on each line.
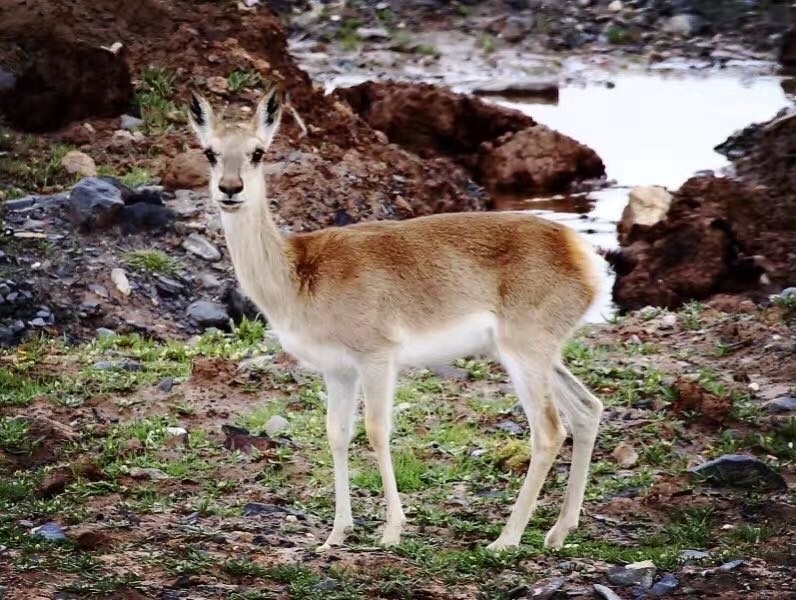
(504,150)
(720,235)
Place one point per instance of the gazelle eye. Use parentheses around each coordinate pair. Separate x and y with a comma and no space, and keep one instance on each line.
(257,155)
(212,157)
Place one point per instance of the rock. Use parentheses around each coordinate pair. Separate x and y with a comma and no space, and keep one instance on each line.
(788,293)
(7,80)
(217,84)
(510,427)
(239,438)
(536,160)
(739,470)
(544,590)
(647,205)
(201,247)
(516,28)
(130,123)
(90,537)
(165,385)
(683,25)
(605,592)
(694,555)
(254,509)
(615,6)
(188,170)
(209,281)
(639,574)
(275,425)
(95,203)
(168,286)
(624,455)
(208,314)
(51,532)
(119,278)
(176,431)
(121,138)
(781,404)
(373,33)
(519,87)
(102,333)
(667,321)
(667,584)
(147,473)
(730,566)
(75,162)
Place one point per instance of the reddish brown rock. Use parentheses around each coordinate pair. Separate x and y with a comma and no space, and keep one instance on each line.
(536,159)
(188,170)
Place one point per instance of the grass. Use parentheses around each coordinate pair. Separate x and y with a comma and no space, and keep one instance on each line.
(154,97)
(152,261)
(617,36)
(238,80)
(14,435)
(347,35)
(35,174)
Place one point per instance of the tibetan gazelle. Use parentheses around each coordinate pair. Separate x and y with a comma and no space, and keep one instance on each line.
(357,303)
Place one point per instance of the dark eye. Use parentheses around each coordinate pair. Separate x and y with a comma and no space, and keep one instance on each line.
(257,155)
(212,157)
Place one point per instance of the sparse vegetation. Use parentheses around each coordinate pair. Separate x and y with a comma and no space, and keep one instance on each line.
(152,261)
(238,80)
(155,98)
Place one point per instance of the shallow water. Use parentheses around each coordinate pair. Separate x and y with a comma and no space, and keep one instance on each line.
(649,129)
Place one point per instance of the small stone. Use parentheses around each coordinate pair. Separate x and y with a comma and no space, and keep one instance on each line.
(102,365)
(209,281)
(510,427)
(694,555)
(682,25)
(217,84)
(253,509)
(275,425)
(165,385)
(201,247)
(130,123)
(147,473)
(781,404)
(667,584)
(95,203)
(187,170)
(169,286)
(121,138)
(624,455)
(176,431)
(640,574)
(102,333)
(788,293)
(119,278)
(731,566)
(544,590)
(739,470)
(667,321)
(615,6)
(79,163)
(49,531)
(605,592)
(291,519)
(373,33)
(208,314)
(38,322)
(130,365)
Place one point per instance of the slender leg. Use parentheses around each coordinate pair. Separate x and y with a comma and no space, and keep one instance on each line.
(582,410)
(378,385)
(341,390)
(530,376)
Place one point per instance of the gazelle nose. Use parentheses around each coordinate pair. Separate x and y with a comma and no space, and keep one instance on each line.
(230,188)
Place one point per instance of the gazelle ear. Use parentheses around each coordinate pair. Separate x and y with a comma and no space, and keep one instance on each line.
(268,115)
(200,115)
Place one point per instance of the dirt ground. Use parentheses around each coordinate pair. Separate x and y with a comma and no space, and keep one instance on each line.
(150,460)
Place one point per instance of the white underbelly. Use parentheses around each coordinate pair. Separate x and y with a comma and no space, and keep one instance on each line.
(474,334)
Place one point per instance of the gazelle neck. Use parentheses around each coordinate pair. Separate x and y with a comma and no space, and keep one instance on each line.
(257,249)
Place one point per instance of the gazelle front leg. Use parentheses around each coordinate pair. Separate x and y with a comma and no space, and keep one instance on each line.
(341,389)
(378,385)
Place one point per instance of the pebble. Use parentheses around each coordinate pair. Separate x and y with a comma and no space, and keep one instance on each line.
(544,590)
(510,427)
(201,247)
(208,314)
(130,122)
(147,473)
(38,322)
(49,531)
(165,385)
(688,555)
(667,584)
(625,455)
(119,278)
(79,163)
(788,293)
(781,404)
(605,592)
(103,332)
(640,574)
(615,6)
(668,321)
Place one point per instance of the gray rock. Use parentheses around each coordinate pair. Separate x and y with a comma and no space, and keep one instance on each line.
(788,292)
(546,589)
(95,203)
(208,314)
(147,473)
(667,584)
(103,332)
(510,427)
(169,286)
(38,322)
(276,425)
(523,87)
(201,247)
(605,592)
(739,470)
(731,566)
(694,555)
(20,203)
(450,372)
(209,281)
(516,28)
(49,531)
(373,33)
(667,321)
(130,122)
(683,25)
(640,574)
(103,365)
(166,385)
(781,404)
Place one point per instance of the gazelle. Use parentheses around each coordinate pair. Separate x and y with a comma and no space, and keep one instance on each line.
(357,303)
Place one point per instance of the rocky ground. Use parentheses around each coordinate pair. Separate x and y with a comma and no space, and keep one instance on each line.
(142,469)
(156,443)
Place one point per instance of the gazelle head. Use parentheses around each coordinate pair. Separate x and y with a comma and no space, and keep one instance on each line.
(235,151)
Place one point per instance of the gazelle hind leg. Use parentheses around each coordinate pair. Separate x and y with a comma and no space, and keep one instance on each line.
(582,410)
(341,390)
(378,385)
(530,373)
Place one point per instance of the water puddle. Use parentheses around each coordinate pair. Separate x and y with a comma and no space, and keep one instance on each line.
(649,129)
